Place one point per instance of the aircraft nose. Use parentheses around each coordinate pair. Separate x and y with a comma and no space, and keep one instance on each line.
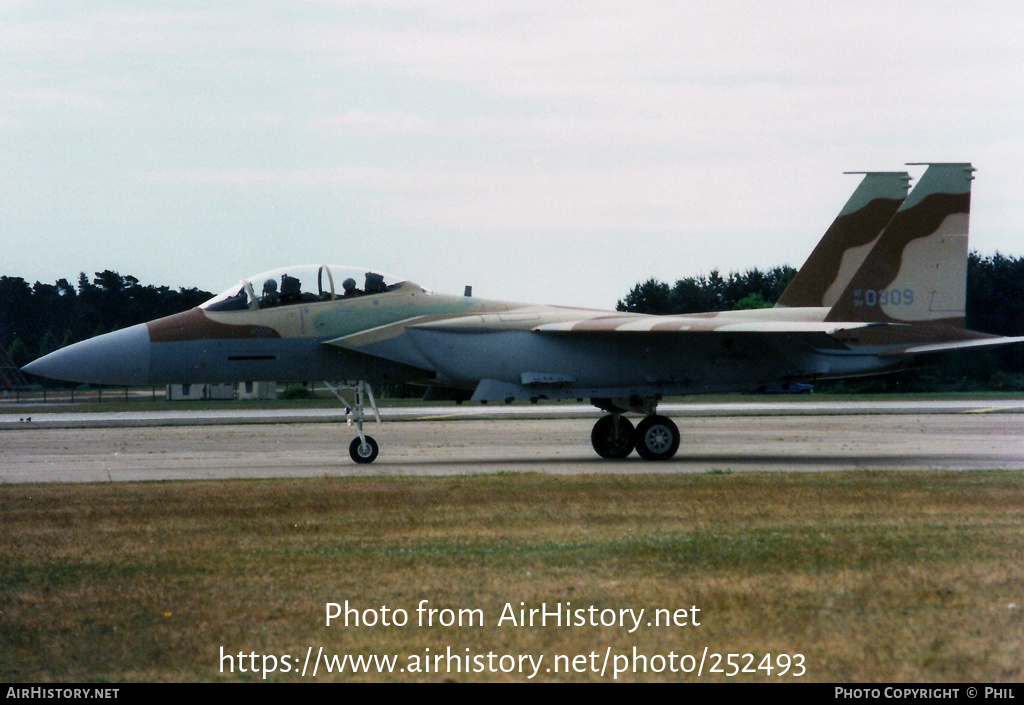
(118,358)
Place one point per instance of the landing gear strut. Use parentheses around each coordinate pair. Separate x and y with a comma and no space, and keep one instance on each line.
(363,448)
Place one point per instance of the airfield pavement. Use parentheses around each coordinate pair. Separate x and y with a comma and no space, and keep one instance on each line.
(416,441)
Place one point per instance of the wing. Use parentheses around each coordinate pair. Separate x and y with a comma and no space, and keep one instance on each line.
(566,353)
(559,353)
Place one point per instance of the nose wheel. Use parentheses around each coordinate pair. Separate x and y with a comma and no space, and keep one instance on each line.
(363,450)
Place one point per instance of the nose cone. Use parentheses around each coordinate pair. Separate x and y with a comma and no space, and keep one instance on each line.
(121,357)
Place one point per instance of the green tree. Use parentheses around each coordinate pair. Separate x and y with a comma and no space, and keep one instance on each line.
(652,296)
(751,301)
(710,292)
(44,317)
(18,353)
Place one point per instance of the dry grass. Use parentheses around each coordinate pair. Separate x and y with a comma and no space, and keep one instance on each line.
(871,576)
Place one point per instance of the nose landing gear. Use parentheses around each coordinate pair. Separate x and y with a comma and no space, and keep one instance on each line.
(363,448)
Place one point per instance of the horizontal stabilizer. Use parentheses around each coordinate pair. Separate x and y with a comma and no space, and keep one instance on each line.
(954,345)
(683,324)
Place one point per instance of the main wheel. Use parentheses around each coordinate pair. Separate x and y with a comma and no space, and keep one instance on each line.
(657,438)
(612,436)
(363,452)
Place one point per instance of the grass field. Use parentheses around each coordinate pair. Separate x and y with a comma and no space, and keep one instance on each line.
(878,576)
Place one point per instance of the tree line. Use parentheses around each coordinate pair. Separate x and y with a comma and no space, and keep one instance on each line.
(36,319)
(709,292)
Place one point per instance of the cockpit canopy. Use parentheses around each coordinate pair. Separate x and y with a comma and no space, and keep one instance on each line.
(303,284)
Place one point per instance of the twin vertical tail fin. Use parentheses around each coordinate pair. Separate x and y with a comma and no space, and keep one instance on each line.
(917,270)
(848,240)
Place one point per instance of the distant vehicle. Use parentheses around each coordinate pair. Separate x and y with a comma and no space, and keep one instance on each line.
(792,388)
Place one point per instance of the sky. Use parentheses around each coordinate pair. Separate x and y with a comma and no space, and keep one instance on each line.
(540,152)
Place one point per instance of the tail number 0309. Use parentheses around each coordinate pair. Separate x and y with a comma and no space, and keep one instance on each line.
(883,297)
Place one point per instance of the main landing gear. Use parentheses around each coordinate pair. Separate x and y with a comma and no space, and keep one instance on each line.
(363,448)
(654,438)
(657,438)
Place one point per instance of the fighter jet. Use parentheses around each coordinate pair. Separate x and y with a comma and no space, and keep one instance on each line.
(327,322)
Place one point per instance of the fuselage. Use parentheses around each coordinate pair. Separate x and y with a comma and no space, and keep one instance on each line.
(400,332)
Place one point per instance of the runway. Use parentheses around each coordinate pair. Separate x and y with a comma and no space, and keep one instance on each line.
(59,418)
(746,436)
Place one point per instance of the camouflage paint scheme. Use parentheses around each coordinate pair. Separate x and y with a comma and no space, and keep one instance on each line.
(847,242)
(898,263)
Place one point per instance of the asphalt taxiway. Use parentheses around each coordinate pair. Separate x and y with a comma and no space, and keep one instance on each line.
(741,436)
(97,416)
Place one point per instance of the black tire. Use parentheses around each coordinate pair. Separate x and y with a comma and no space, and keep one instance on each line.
(363,453)
(657,438)
(613,437)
